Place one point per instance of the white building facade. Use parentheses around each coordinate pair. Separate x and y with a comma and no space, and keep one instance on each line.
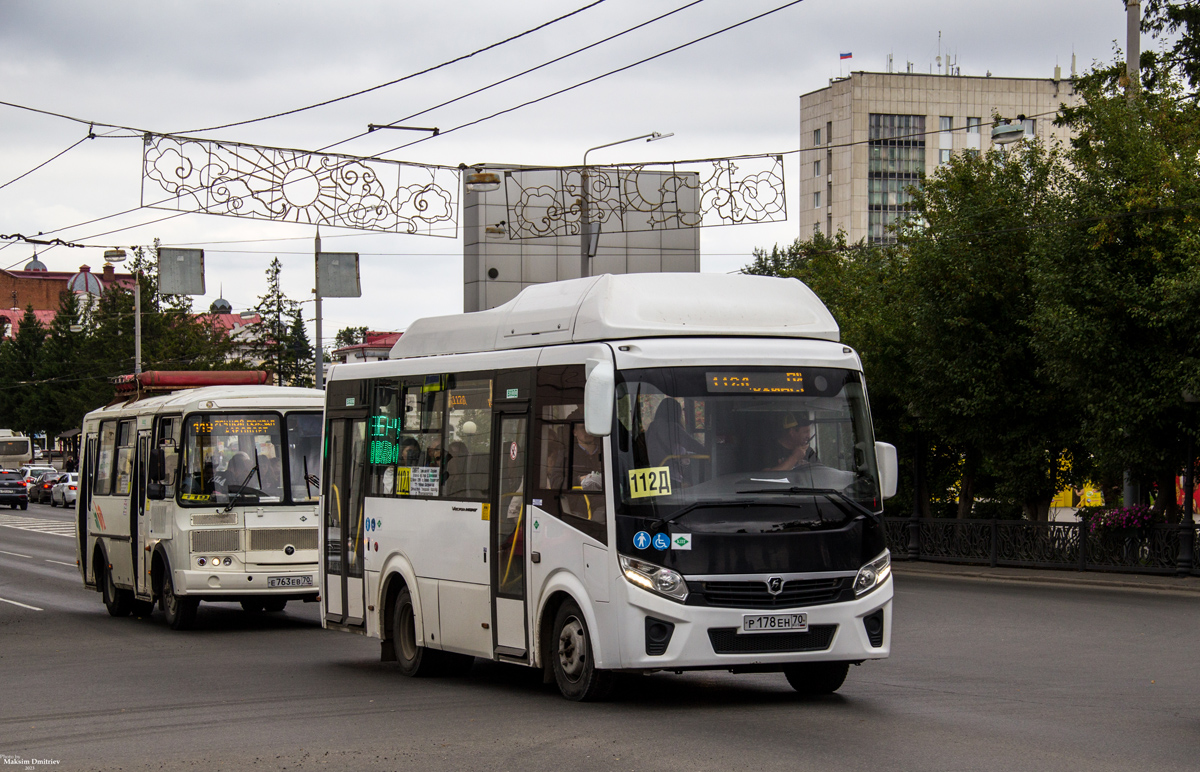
(865,138)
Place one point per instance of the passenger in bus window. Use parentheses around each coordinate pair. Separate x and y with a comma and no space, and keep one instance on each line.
(669,444)
(791,447)
(410,452)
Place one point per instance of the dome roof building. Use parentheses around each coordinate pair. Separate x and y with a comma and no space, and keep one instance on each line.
(221,306)
(35,264)
(85,282)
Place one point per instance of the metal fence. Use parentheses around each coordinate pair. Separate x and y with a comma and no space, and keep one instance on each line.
(1157,549)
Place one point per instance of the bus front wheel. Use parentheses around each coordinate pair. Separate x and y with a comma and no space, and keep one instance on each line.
(814,678)
(572,656)
(180,612)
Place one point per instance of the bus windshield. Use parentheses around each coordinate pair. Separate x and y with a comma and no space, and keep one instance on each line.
(241,456)
(780,445)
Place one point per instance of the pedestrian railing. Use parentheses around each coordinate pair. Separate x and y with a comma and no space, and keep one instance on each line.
(1156,549)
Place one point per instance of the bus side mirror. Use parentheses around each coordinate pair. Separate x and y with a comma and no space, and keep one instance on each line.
(156,491)
(889,468)
(158,464)
(598,397)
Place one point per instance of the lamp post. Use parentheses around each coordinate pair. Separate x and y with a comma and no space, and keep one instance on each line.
(114,256)
(585,225)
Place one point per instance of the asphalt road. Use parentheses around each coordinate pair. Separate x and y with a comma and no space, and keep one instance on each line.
(982,677)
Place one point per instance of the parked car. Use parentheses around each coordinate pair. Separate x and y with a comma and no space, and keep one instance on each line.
(65,490)
(12,489)
(39,489)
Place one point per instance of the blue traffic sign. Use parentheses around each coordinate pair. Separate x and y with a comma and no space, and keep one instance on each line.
(641,540)
(662,541)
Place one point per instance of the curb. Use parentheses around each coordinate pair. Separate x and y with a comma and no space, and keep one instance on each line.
(1157,584)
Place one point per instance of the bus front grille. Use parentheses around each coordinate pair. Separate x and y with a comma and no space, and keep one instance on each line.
(796,593)
(225,540)
(263,539)
(220,518)
(726,640)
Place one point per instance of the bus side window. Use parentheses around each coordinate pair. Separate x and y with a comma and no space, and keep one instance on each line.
(570,462)
(468,439)
(104,461)
(124,470)
(168,445)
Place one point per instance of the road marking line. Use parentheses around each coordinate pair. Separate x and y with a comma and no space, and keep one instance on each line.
(17,554)
(22,605)
(38,525)
(59,562)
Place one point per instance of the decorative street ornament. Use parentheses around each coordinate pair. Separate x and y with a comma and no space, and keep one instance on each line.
(645,197)
(269,183)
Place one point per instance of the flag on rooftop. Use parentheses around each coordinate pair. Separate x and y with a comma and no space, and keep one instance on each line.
(845,56)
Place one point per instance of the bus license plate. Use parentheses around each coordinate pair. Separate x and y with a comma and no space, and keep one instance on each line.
(289,581)
(771,623)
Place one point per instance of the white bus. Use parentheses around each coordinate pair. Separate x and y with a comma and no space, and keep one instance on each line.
(15,450)
(619,473)
(210,492)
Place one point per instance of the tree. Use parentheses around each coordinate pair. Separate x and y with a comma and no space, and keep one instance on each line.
(350,336)
(66,384)
(271,339)
(1120,279)
(19,358)
(299,371)
(1178,23)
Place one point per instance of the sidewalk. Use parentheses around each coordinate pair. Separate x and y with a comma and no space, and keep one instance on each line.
(1097,580)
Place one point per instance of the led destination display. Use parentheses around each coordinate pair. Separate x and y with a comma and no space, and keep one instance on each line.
(756,382)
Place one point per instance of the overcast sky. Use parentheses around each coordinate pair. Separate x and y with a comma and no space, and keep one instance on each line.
(172,66)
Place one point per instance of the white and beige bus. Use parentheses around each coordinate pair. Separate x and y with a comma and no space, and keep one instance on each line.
(614,474)
(15,450)
(209,492)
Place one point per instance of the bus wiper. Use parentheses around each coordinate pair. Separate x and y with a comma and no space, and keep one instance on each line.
(234,499)
(690,507)
(832,494)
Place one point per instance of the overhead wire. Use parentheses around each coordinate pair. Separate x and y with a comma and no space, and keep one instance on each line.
(397,80)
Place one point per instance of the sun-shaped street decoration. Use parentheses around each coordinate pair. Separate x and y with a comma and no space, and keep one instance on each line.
(645,197)
(283,185)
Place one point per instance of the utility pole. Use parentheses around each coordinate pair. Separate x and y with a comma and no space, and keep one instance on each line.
(1133,43)
(319,376)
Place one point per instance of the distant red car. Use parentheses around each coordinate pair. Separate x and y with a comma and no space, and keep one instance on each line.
(39,489)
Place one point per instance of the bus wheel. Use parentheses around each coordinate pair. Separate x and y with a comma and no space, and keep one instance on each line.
(118,602)
(815,678)
(413,660)
(253,606)
(180,612)
(274,604)
(571,654)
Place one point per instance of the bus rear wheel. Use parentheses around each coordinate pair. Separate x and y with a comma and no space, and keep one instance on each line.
(180,612)
(118,602)
(815,678)
(572,656)
(413,660)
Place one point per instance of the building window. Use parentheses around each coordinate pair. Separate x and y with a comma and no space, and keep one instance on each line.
(944,156)
(817,168)
(896,160)
(946,123)
(972,125)
(816,137)
(817,200)
(1030,126)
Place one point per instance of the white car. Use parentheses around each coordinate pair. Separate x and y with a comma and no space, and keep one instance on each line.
(31,471)
(65,490)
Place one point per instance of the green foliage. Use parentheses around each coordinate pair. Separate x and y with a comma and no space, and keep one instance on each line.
(350,336)
(19,409)
(279,342)
(1178,25)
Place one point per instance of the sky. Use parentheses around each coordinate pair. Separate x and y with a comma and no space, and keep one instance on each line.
(169,66)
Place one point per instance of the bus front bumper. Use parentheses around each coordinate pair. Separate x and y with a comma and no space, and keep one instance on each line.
(705,637)
(293,582)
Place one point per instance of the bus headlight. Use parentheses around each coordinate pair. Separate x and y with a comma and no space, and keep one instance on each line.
(873,574)
(654,578)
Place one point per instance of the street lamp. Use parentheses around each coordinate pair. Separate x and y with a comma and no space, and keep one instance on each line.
(113,256)
(1008,133)
(585,226)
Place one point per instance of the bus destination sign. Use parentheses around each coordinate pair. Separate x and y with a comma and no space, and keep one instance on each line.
(756,382)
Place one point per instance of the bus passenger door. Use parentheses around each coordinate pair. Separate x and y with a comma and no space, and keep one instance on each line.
(509,528)
(83,504)
(344,537)
(137,514)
